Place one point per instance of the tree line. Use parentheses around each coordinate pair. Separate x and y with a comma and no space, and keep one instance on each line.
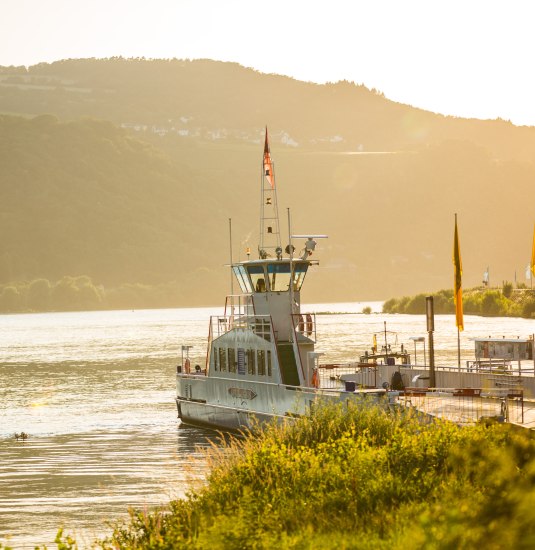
(82,294)
(502,302)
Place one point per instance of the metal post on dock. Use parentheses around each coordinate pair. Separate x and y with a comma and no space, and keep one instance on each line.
(430,316)
(386,346)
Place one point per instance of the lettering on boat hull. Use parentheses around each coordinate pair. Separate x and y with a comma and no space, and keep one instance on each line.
(242,393)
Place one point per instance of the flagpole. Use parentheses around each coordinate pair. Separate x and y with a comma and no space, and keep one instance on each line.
(459,353)
(532,263)
(457,293)
(230,247)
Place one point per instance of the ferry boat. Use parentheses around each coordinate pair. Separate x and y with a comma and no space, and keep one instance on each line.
(261,362)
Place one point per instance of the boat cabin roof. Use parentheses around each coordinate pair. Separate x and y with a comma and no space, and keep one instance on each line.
(274,261)
(504,340)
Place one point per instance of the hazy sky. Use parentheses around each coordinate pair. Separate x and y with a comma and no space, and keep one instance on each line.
(471,58)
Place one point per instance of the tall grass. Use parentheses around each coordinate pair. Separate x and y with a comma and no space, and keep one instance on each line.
(354,477)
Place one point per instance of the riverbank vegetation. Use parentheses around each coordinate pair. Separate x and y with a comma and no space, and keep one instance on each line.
(353,477)
(500,302)
(82,294)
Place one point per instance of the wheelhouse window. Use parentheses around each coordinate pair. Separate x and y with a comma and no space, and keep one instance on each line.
(279,277)
(241,277)
(258,277)
(268,362)
(300,270)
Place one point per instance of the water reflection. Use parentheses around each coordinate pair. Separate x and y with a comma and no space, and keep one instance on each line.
(95,391)
(86,480)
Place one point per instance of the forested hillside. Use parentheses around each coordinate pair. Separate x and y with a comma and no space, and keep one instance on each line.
(84,198)
(137,215)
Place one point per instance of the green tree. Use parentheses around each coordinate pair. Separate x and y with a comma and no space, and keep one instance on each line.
(64,295)
(88,296)
(38,298)
(493,303)
(10,299)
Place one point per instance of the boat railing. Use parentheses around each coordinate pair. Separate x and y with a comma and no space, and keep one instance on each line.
(467,405)
(387,357)
(237,305)
(305,323)
(261,325)
(486,365)
(331,374)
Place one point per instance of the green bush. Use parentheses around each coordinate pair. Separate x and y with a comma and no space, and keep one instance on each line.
(354,477)
(475,302)
(416,304)
(528,309)
(507,289)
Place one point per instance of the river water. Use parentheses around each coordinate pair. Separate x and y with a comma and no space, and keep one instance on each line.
(95,392)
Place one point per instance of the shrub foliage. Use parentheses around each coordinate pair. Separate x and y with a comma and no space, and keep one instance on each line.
(488,303)
(354,477)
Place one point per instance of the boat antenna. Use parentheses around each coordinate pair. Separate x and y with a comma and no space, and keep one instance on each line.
(291,250)
(230,246)
(270,242)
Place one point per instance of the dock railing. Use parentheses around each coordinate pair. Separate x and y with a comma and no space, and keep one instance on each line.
(331,373)
(466,405)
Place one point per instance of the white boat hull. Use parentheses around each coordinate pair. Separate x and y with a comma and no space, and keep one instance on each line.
(231,404)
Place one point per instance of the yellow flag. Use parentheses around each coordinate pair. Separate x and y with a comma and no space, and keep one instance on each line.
(457,280)
(533,254)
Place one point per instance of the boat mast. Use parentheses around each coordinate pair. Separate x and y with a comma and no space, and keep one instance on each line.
(270,241)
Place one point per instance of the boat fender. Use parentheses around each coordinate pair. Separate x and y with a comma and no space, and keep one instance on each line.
(310,326)
(301,325)
(187,366)
(315,379)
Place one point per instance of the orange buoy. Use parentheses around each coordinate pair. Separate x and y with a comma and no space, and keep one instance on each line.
(310,325)
(315,379)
